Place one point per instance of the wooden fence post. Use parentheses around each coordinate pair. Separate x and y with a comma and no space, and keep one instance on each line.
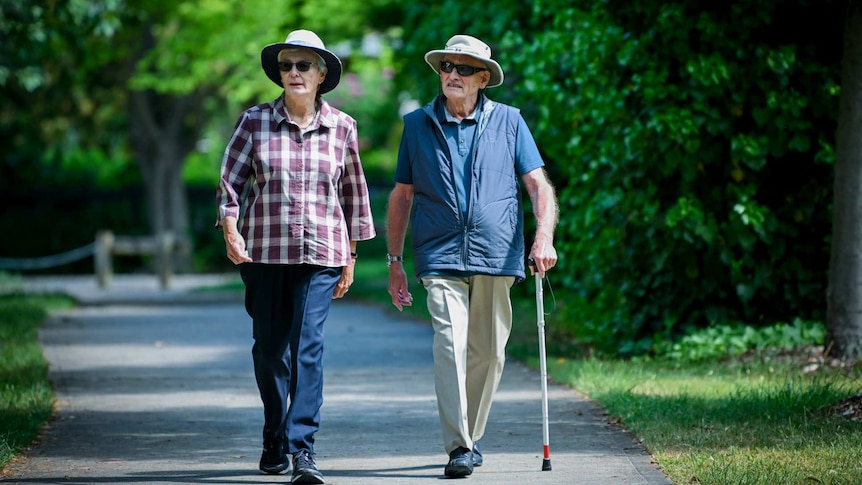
(102,259)
(164,257)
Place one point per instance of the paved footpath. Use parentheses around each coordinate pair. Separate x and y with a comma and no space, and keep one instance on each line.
(156,387)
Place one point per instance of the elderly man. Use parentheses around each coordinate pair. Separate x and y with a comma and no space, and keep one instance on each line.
(459,165)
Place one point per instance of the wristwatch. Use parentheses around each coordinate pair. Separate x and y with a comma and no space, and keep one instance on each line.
(393,259)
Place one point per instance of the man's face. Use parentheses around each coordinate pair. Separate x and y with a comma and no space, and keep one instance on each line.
(458,87)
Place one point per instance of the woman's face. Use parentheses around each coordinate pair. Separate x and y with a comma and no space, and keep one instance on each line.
(300,74)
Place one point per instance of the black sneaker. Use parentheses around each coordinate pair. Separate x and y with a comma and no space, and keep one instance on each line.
(305,469)
(460,463)
(477,455)
(273,460)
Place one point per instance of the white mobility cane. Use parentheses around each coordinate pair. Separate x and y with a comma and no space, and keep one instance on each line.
(543,368)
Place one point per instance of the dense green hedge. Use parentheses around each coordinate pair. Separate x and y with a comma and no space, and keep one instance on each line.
(691,144)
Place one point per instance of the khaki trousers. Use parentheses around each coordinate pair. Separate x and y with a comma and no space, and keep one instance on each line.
(472,320)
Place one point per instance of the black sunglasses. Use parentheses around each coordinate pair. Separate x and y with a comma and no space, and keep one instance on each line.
(301,66)
(463,69)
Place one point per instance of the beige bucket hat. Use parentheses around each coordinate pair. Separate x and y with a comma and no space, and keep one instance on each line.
(467,46)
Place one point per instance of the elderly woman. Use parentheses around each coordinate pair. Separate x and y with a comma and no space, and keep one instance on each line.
(292,203)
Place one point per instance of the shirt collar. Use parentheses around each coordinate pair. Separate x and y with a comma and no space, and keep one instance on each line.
(444,116)
(324,117)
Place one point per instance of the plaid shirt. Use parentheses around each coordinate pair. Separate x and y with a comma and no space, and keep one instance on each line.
(299,198)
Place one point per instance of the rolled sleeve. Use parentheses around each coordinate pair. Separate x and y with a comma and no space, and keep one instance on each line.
(235,171)
(355,199)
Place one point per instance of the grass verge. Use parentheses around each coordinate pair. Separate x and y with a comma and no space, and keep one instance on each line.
(734,422)
(26,397)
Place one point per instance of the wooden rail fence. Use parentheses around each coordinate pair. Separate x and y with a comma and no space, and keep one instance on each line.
(162,246)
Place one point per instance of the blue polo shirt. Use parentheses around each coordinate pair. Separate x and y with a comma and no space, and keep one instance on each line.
(460,137)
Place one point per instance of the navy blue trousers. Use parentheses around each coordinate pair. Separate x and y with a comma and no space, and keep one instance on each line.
(288,305)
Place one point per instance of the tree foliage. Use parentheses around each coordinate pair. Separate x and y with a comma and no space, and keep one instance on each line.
(216,44)
(58,81)
(691,144)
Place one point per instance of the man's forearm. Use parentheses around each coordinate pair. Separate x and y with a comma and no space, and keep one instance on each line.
(546,211)
(396,223)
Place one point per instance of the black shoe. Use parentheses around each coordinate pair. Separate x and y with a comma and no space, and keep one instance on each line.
(460,463)
(273,460)
(477,455)
(305,469)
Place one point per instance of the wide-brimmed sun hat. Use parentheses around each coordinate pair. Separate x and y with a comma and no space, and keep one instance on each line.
(466,45)
(305,39)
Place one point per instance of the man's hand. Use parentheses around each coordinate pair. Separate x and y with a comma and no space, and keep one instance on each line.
(400,202)
(401,296)
(543,255)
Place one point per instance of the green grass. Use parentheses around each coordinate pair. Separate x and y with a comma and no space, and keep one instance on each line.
(728,422)
(26,397)
(714,413)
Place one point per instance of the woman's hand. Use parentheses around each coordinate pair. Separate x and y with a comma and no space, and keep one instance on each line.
(346,280)
(234,243)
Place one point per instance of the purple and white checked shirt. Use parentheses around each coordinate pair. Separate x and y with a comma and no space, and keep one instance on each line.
(299,198)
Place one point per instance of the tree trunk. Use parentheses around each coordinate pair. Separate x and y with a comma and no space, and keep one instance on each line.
(164,130)
(844,296)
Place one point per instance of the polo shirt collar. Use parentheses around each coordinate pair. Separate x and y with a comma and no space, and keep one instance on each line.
(443,115)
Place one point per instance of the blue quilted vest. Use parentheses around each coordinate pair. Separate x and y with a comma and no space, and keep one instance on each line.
(491,239)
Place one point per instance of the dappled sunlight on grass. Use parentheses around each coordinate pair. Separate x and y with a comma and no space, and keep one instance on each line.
(724,423)
(747,465)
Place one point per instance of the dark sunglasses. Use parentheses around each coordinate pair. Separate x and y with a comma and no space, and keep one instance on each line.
(301,66)
(463,69)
